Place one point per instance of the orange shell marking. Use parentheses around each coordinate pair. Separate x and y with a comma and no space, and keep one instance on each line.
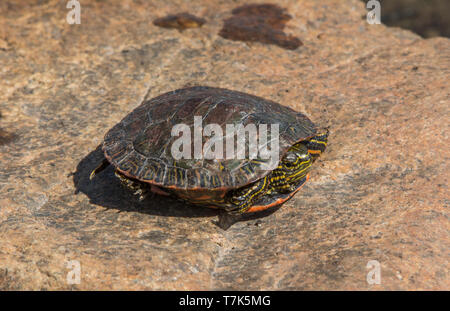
(258,208)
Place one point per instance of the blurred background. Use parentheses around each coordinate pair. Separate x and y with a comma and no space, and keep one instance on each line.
(428,18)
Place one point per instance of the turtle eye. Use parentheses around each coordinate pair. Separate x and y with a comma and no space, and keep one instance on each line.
(291,157)
(237,200)
(304,156)
(240,199)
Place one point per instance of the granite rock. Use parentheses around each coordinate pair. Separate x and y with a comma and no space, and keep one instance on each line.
(380,192)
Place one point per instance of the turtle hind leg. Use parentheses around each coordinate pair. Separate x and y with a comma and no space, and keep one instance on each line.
(105,163)
(138,188)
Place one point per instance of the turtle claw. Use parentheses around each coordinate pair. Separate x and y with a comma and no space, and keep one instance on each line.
(138,188)
(143,193)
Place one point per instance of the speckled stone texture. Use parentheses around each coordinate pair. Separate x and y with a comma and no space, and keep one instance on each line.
(380,192)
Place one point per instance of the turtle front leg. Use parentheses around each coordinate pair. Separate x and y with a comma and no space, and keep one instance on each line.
(138,188)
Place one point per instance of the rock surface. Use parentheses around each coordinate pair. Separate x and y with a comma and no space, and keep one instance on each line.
(380,192)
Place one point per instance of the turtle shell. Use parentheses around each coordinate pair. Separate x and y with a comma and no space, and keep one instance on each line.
(140,145)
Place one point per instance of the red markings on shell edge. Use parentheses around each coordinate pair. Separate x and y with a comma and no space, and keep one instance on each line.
(258,208)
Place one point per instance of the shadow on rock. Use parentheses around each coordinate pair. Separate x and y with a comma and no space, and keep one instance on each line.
(107,191)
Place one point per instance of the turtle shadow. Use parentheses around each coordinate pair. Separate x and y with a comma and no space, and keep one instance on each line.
(106,190)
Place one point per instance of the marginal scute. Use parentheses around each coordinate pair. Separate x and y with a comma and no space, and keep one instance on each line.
(140,144)
(132,164)
(117,151)
(175,176)
(115,135)
(153,171)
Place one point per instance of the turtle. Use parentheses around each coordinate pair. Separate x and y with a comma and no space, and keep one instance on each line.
(141,150)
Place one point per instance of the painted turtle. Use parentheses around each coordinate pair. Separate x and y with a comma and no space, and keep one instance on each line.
(140,147)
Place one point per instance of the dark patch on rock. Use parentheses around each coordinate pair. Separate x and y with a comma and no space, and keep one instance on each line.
(5,137)
(259,23)
(155,236)
(146,56)
(180,21)
(226,220)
